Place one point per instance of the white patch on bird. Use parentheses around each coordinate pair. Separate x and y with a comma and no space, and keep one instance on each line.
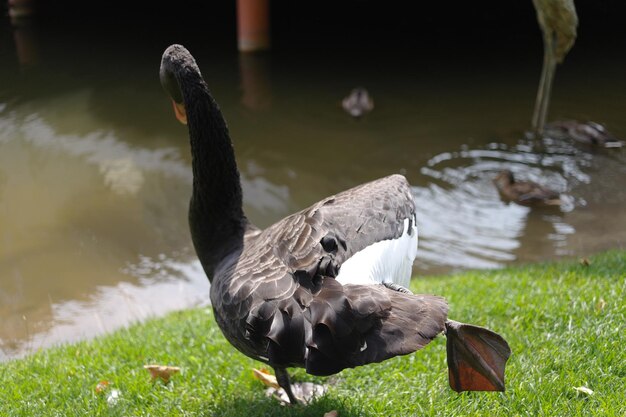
(364,345)
(385,261)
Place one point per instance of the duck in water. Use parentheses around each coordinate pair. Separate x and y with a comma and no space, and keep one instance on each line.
(525,193)
(589,133)
(358,103)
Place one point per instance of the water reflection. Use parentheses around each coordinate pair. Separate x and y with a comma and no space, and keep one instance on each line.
(94,232)
(26,41)
(483,235)
(487,233)
(255,80)
(173,286)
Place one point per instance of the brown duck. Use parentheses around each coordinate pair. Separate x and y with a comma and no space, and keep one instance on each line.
(525,193)
(324,288)
(589,133)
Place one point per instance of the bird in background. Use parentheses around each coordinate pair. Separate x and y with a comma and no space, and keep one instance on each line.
(358,103)
(558,22)
(525,193)
(589,133)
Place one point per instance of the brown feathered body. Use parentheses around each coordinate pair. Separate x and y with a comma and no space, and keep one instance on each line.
(525,193)
(588,133)
(277,299)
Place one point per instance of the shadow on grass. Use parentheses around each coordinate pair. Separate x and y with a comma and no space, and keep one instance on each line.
(264,406)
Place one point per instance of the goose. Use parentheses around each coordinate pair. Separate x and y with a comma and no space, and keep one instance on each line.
(525,193)
(358,103)
(325,288)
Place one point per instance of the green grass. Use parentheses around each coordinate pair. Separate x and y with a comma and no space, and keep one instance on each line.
(565,322)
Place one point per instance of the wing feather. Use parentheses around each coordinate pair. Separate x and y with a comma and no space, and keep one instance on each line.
(281,288)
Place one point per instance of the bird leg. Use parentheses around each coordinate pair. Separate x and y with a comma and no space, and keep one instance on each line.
(540,90)
(548,85)
(282,377)
(545,84)
(476,358)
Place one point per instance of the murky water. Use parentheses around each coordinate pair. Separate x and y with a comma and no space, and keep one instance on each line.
(95,171)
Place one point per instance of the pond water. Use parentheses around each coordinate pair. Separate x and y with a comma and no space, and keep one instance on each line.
(95,171)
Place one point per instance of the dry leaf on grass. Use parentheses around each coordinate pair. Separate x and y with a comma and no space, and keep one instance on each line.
(585,262)
(265,377)
(102,385)
(162,371)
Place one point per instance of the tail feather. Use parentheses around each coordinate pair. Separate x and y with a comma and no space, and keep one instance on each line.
(376,323)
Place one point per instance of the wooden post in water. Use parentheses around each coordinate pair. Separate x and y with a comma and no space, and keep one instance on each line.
(24,31)
(255,81)
(253,25)
(26,45)
(21,8)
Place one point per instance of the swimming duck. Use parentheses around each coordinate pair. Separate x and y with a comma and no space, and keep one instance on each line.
(525,193)
(324,288)
(589,133)
(358,102)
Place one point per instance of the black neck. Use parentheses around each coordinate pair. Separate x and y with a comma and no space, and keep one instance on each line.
(216,215)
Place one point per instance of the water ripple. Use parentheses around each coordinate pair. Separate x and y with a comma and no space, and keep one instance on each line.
(464,224)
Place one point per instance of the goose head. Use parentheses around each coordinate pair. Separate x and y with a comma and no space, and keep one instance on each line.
(177,59)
